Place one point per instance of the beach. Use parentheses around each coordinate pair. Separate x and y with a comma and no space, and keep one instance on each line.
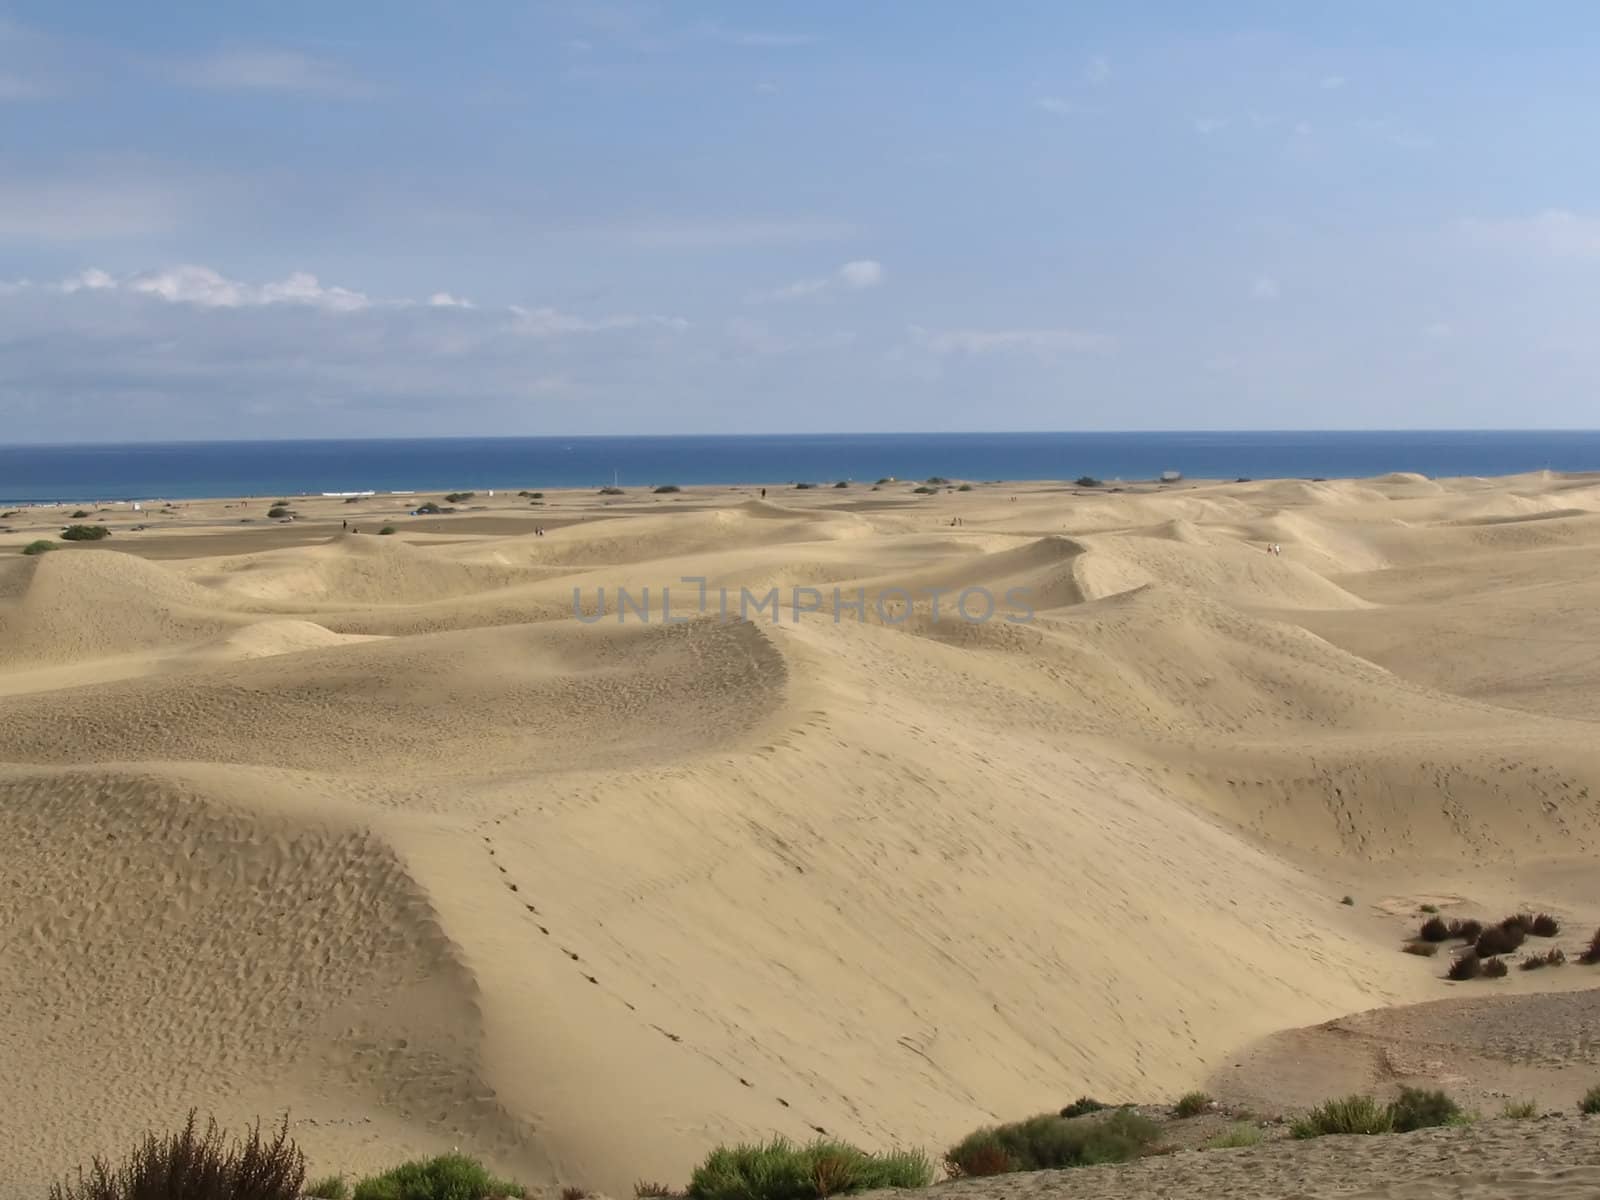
(884,810)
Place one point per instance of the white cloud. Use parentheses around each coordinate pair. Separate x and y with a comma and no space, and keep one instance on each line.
(863,273)
(1264,287)
(1332,82)
(767,88)
(550,322)
(273,71)
(991,341)
(1098,71)
(206,288)
(446,300)
(855,276)
(1207,125)
(1555,232)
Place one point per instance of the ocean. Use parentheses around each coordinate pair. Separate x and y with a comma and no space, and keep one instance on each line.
(179,470)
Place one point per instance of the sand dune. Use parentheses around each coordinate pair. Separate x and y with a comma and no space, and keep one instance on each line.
(396,833)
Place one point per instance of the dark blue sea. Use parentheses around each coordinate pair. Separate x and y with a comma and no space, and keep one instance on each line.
(178,470)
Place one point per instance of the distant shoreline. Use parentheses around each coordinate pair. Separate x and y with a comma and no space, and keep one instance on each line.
(201,470)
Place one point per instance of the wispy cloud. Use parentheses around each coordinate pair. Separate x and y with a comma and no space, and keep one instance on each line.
(1205,126)
(1060,105)
(855,276)
(274,71)
(1264,287)
(993,341)
(1098,71)
(1554,233)
(551,322)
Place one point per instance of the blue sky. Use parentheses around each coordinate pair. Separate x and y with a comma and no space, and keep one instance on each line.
(573,217)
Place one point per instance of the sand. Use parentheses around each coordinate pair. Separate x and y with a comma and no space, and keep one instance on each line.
(376,831)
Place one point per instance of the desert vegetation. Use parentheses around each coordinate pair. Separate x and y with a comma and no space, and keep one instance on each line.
(1413,1108)
(1192,1104)
(39,546)
(1591,953)
(459,497)
(666,489)
(1550,958)
(1087,481)
(1591,1101)
(209,1164)
(1052,1141)
(1519,1110)
(84,533)
(783,1170)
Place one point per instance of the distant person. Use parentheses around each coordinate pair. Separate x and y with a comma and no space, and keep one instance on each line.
(763,493)
(345,525)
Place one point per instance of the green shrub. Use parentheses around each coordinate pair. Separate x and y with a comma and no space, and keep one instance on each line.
(1049,1142)
(611,491)
(277,510)
(40,547)
(329,1187)
(782,1170)
(459,497)
(1430,908)
(386,530)
(1082,1107)
(801,487)
(647,1189)
(1234,1136)
(349,500)
(447,1177)
(84,533)
(80,514)
(1086,481)
(1192,1104)
(1353,1114)
(1520,1110)
(1348,901)
(190,1165)
(936,480)
(886,479)
(1415,1108)
(843,483)
(1591,1101)
(667,489)
(925,490)
(430,508)
(965,487)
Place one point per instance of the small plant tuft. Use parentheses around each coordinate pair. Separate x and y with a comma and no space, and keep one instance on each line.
(459,497)
(648,1189)
(1466,965)
(329,1187)
(191,1165)
(1429,908)
(1192,1104)
(1416,1108)
(1353,1114)
(573,1192)
(387,530)
(924,490)
(1434,930)
(1467,930)
(782,1170)
(1050,1142)
(40,547)
(1082,1107)
(1348,901)
(1086,481)
(278,511)
(843,483)
(1554,957)
(1591,954)
(1494,968)
(1235,1136)
(1545,926)
(1520,1110)
(1500,939)
(447,1177)
(1591,1101)
(1422,949)
(80,514)
(84,533)
(666,489)
(611,491)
